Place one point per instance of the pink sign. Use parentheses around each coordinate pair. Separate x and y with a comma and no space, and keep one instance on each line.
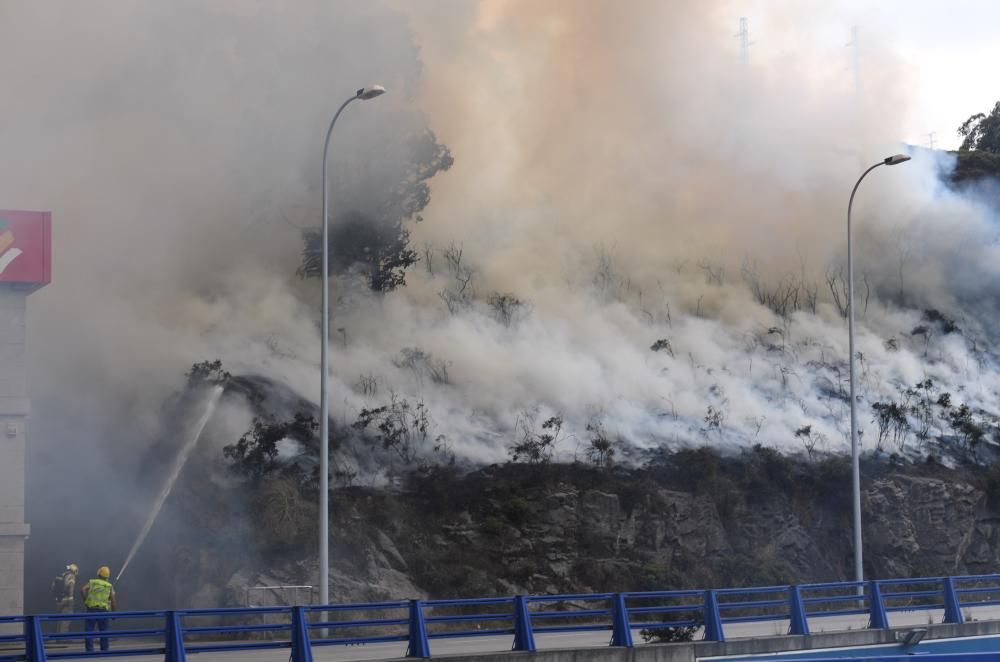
(25,247)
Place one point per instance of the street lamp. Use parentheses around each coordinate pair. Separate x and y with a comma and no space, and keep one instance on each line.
(855,455)
(364,94)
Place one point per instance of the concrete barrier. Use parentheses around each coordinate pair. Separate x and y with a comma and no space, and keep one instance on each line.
(695,650)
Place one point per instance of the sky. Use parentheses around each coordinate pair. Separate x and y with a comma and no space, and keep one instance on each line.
(948,50)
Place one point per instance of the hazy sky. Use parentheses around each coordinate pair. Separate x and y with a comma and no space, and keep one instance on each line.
(947,50)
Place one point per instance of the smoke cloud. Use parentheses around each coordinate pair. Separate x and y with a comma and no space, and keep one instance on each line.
(618,171)
(179,148)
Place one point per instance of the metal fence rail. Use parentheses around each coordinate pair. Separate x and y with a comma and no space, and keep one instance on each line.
(176,633)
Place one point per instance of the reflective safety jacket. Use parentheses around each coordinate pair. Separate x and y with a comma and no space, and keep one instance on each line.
(98,594)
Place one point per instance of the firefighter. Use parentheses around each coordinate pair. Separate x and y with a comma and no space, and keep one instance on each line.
(64,593)
(98,597)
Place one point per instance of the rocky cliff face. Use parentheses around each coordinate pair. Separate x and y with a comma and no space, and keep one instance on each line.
(930,526)
(692,519)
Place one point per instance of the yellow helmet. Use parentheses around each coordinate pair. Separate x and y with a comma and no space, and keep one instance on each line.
(72,567)
(104,572)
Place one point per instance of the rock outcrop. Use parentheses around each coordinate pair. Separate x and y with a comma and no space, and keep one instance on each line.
(529,529)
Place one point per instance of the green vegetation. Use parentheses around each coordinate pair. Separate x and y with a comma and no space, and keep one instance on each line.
(207,372)
(979,154)
(535,446)
(669,635)
(371,233)
(973,166)
(402,428)
(981,132)
(255,455)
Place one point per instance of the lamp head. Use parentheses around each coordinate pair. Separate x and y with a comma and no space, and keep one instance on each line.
(896,159)
(370,92)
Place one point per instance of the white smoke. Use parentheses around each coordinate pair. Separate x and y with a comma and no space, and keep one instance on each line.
(617,169)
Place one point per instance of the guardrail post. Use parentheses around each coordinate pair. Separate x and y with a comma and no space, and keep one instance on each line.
(621,631)
(34,641)
(713,621)
(419,645)
(879,618)
(798,623)
(524,638)
(952,607)
(174,638)
(301,646)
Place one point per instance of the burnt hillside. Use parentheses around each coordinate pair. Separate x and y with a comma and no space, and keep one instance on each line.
(692,518)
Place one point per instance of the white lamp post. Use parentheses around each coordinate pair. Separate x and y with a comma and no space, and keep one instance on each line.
(364,93)
(855,454)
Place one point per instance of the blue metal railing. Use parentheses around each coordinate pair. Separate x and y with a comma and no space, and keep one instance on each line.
(173,634)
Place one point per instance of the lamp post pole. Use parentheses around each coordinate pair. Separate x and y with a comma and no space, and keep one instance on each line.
(324,434)
(855,449)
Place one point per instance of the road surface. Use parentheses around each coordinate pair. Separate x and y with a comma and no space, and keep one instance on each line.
(556,641)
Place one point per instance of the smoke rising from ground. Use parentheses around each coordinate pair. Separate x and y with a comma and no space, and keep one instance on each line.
(618,171)
(639,179)
(179,149)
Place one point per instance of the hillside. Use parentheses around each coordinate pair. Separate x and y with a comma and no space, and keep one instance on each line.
(691,518)
(588,323)
(698,447)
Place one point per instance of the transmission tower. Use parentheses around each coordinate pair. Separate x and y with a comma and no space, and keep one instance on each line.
(855,45)
(744,35)
(930,139)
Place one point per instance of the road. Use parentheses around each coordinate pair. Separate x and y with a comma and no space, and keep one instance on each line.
(556,641)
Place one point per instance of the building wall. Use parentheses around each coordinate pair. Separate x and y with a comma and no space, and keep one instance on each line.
(13,421)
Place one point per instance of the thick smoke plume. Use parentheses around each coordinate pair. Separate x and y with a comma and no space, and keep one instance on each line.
(624,173)
(617,172)
(178,146)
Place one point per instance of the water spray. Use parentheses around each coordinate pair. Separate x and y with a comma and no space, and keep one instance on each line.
(213,401)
